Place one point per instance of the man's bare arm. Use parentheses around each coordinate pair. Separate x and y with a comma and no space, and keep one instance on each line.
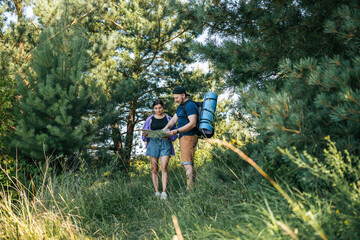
(190,125)
(172,122)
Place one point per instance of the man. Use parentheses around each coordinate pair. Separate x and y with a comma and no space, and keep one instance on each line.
(186,124)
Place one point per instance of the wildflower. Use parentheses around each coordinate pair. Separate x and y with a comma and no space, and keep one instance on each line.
(346,222)
(337,210)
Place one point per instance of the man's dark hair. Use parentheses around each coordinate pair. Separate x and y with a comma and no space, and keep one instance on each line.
(180,90)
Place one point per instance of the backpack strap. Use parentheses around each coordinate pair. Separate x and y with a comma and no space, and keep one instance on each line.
(183,107)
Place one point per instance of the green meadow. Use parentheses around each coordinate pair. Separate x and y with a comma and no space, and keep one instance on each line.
(230,201)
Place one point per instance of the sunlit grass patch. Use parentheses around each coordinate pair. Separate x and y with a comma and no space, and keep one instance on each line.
(24,216)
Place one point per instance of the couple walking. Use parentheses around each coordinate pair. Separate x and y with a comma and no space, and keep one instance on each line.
(185,117)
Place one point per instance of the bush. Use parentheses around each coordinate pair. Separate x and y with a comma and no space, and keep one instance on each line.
(338,203)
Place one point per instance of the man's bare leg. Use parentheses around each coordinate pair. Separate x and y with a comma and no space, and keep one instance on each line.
(190,174)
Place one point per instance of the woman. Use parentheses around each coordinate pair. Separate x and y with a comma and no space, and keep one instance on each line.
(158,147)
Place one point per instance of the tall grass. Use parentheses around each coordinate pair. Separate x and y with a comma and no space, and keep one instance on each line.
(24,216)
(112,207)
(230,201)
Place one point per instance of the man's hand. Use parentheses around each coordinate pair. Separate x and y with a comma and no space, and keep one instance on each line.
(172,132)
(144,134)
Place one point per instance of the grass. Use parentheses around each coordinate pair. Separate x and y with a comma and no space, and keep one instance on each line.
(230,201)
(25,216)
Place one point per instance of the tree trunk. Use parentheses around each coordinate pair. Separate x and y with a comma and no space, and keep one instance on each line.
(116,137)
(19,9)
(129,135)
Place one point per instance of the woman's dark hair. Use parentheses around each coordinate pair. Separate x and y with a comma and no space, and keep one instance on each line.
(158,101)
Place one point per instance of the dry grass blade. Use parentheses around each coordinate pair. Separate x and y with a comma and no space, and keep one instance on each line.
(177,228)
(288,230)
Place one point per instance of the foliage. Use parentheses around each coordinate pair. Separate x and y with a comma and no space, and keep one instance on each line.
(252,37)
(341,174)
(318,98)
(295,67)
(7,167)
(7,92)
(53,108)
(16,38)
(6,85)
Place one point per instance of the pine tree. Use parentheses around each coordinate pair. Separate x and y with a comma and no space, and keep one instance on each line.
(17,37)
(53,112)
(148,57)
(257,35)
(295,65)
(7,92)
(6,86)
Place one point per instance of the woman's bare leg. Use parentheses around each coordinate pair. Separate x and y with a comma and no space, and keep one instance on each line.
(164,174)
(154,173)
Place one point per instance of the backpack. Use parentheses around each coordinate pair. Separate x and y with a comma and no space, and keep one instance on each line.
(205,127)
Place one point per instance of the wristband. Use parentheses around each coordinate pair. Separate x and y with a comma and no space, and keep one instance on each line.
(177,131)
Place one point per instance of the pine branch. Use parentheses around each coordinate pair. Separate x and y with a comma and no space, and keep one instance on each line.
(352,99)
(348,118)
(67,27)
(153,89)
(157,49)
(178,35)
(147,59)
(38,31)
(287,129)
(149,64)
(117,25)
(157,77)
(155,53)
(255,113)
(121,107)
(18,7)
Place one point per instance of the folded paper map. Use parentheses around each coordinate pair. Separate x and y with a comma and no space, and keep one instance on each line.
(156,133)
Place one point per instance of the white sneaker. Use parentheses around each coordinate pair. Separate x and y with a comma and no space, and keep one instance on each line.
(157,194)
(163,196)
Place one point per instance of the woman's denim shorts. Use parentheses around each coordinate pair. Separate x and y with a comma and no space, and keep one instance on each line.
(158,147)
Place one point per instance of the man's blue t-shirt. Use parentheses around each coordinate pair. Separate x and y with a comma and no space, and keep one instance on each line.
(191,109)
